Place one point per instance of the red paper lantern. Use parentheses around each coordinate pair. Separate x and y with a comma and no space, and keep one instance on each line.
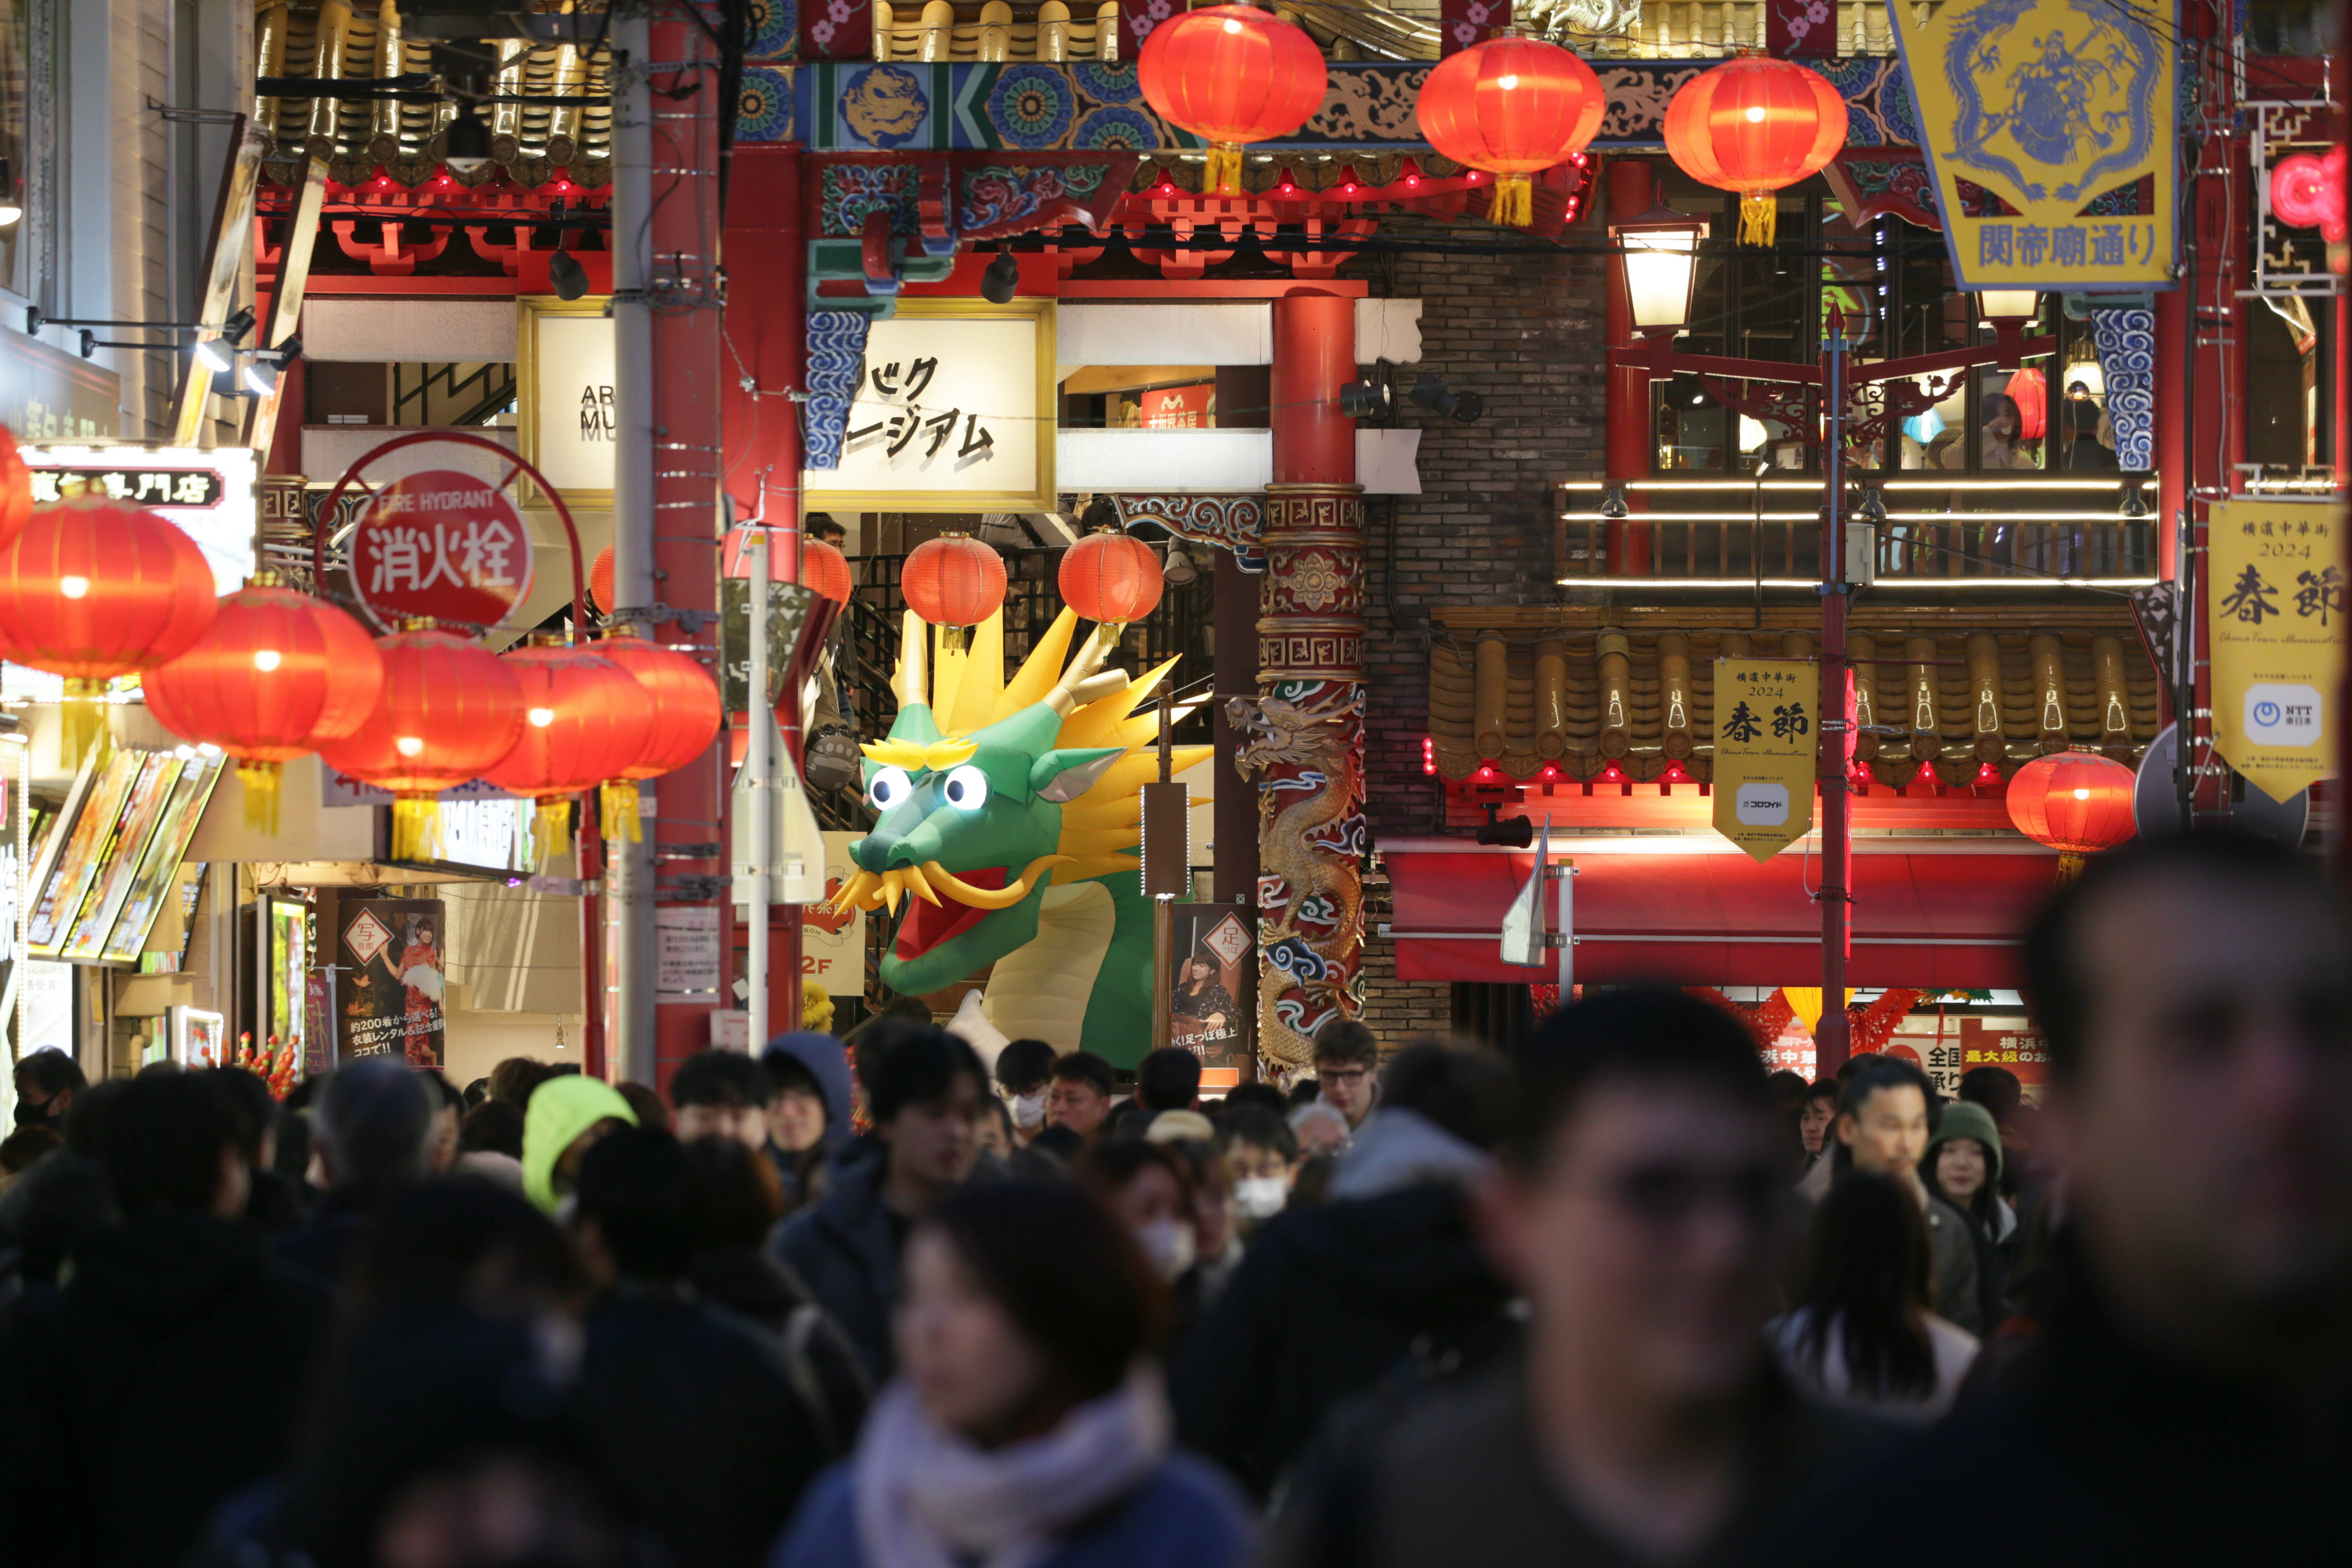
(586,720)
(1512,107)
(450,709)
(825,569)
(686,715)
(1752,126)
(275,676)
(2078,803)
(955,580)
(1111,577)
(15,490)
(1232,75)
(600,581)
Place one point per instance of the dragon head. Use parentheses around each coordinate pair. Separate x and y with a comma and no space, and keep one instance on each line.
(987,791)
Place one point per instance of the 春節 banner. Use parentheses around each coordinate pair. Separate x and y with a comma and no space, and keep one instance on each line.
(2274,599)
(1765,752)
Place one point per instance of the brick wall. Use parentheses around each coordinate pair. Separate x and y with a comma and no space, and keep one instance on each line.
(1526,333)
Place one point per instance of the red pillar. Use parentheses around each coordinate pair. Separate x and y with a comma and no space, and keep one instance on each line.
(1314,359)
(2172,420)
(1632,191)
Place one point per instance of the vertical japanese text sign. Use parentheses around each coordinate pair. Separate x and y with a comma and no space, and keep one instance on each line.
(2064,110)
(2275,596)
(1766,752)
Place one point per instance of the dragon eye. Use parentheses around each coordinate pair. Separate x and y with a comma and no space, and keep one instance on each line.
(966,789)
(891,786)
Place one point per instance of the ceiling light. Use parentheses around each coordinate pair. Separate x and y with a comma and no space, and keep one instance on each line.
(998,284)
(565,275)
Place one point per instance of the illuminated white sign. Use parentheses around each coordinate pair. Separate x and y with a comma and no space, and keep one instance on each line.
(206,492)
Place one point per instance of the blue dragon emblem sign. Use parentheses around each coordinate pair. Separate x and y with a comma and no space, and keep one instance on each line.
(2049,105)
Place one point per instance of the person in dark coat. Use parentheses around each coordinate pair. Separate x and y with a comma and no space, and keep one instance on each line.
(692,1407)
(2189,1397)
(373,1128)
(1881,1127)
(168,1371)
(1329,1299)
(276,1204)
(927,1092)
(808,1110)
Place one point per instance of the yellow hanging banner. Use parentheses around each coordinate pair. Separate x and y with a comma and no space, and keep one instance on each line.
(2060,114)
(2275,600)
(1765,752)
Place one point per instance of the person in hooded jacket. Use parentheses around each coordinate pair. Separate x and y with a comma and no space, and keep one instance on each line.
(167,1372)
(1962,1166)
(808,1112)
(565,1119)
(1331,1298)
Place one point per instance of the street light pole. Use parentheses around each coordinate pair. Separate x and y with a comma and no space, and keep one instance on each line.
(1832,1044)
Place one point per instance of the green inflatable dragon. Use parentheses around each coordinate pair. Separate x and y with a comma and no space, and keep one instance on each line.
(1007,824)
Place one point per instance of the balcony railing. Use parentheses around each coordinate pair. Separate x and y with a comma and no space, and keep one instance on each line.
(2025,535)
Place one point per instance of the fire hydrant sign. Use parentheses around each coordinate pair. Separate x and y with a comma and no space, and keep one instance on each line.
(1764,749)
(441,544)
(2275,596)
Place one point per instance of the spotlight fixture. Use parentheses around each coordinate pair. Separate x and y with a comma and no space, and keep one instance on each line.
(214,353)
(260,376)
(1612,504)
(1178,569)
(1438,398)
(1002,277)
(465,145)
(1365,399)
(2135,502)
(565,275)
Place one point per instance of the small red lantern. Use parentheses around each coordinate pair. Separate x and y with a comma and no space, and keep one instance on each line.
(586,720)
(686,716)
(15,490)
(93,589)
(2078,803)
(1512,107)
(450,709)
(955,580)
(1111,577)
(1752,126)
(825,569)
(277,674)
(600,581)
(1232,75)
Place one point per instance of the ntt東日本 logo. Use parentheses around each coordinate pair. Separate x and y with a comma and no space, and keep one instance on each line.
(2279,714)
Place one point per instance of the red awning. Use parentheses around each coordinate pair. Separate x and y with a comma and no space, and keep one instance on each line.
(1696,911)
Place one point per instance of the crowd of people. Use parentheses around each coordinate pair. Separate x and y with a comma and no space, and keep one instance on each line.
(1614,1296)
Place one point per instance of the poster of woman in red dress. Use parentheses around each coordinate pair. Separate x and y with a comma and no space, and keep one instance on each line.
(419,969)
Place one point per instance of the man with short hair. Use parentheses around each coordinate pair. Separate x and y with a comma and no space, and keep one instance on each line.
(1025,1073)
(692,1405)
(1639,1213)
(926,1091)
(2189,1397)
(1080,1094)
(1346,1068)
(168,1374)
(1882,1126)
(46,1082)
(1168,1079)
(373,1131)
(721,1094)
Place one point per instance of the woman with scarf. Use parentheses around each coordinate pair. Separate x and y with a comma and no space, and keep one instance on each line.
(1028,1427)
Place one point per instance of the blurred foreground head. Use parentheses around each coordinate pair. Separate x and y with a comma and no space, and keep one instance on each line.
(2196,996)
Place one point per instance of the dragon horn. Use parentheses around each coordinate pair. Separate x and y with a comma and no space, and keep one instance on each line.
(910,683)
(1080,682)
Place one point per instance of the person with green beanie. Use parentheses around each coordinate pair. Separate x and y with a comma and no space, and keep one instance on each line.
(565,1116)
(1963,1164)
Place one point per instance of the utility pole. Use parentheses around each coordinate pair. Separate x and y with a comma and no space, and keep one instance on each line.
(1830,1042)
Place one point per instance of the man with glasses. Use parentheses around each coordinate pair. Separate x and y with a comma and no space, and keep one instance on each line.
(1347,1063)
(1640,1211)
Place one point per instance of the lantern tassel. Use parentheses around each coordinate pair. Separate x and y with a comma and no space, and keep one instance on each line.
(550,829)
(415,827)
(1514,205)
(2070,865)
(261,782)
(1759,213)
(618,799)
(1224,174)
(81,720)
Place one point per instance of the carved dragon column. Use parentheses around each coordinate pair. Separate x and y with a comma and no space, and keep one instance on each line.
(1304,737)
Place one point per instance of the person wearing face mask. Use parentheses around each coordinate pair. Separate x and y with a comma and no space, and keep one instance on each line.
(46,1082)
(1261,1156)
(1025,1072)
(1217,1242)
(1151,1190)
(1030,1426)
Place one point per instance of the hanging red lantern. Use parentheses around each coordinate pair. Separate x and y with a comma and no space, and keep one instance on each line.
(1513,107)
(955,580)
(586,720)
(825,569)
(1233,75)
(600,581)
(2078,803)
(449,710)
(1752,126)
(93,589)
(1111,577)
(275,676)
(686,715)
(15,490)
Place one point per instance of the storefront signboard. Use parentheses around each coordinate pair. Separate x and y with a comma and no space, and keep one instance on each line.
(1208,984)
(444,545)
(567,425)
(2274,599)
(206,492)
(1765,751)
(832,942)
